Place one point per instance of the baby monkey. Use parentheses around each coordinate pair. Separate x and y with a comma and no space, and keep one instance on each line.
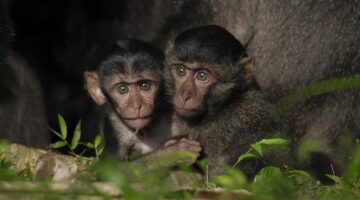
(128,87)
(217,99)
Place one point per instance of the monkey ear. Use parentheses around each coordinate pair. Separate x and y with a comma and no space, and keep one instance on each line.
(248,67)
(93,87)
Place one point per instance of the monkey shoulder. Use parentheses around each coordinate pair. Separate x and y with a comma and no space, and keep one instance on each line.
(248,119)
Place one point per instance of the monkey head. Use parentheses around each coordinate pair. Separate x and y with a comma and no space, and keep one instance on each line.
(129,80)
(205,66)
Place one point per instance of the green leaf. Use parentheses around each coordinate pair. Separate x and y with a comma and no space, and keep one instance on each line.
(298,173)
(56,133)
(97,141)
(63,128)
(336,179)
(243,156)
(257,148)
(4,146)
(76,137)
(316,89)
(352,172)
(274,141)
(89,145)
(271,181)
(306,147)
(266,173)
(58,144)
(100,151)
(231,179)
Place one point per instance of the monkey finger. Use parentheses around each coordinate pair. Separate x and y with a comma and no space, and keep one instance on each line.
(170,142)
(193,142)
(196,149)
(189,141)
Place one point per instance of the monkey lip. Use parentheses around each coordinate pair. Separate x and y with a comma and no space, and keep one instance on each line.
(138,122)
(187,112)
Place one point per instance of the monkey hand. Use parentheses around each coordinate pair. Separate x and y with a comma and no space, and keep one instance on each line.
(174,152)
(182,146)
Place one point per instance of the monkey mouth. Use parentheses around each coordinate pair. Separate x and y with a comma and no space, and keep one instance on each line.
(187,112)
(137,122)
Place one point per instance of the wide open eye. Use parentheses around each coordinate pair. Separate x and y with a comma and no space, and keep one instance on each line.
(145,85)
(180,70)
(123,89)
(202,75)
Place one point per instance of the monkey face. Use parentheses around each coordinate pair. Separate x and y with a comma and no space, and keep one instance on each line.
(192,82)
(132,95)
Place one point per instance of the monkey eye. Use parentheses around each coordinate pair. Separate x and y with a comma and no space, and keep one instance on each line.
(123,89)
(145,85)
(202,75)
(180,70)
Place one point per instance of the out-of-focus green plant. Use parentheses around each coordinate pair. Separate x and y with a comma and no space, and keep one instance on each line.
(136,182)
(271,181)
(308,146)
(316,89)
(230,179)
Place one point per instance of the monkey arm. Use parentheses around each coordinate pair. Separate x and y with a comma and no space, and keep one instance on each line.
(175,152)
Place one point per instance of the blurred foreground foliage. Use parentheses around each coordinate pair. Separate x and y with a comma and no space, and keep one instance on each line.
(133,182)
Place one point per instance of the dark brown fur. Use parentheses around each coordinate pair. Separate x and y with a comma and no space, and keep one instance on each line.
(236,113)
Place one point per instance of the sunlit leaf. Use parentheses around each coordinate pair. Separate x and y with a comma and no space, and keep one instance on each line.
(243,156)
(76,137)
(97,141)
(63,128)
(257,148)
(316,89)
(100,151)
(58,144)
(89,145)
(266,173)
(274,141)
(336,179)
(298,173)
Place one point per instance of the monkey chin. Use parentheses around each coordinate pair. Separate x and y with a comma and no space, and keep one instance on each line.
(137,123)
(187,113)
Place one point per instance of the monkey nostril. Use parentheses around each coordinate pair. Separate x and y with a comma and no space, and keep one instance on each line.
(186,99)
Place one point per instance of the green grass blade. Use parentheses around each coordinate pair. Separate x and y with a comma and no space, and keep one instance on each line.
(76,137)
(243,156)
(316,89)
(97,141)
(257,147)
(58,144)
(274,141)
(63,128)
(55,132)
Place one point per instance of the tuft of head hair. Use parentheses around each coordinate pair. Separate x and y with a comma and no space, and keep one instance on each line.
(209,44)
(130,55)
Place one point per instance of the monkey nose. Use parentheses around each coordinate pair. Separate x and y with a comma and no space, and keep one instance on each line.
(136,107)
(185,99)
